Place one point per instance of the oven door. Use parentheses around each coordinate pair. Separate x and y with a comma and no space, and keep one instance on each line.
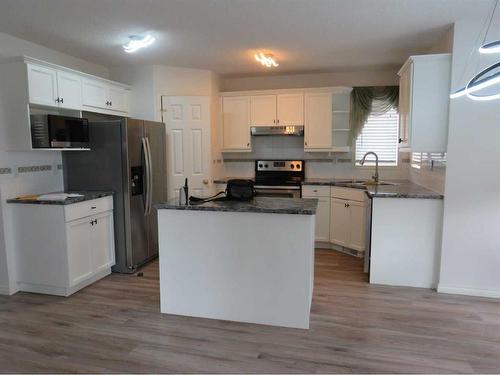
(278,191)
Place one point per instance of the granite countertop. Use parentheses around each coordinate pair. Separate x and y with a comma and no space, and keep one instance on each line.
(291,206)
(86,196)
(395,189)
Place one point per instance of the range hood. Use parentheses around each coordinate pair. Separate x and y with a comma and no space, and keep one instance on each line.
(277,130)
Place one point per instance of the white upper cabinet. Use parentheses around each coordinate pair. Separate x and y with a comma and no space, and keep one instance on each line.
(69,90)
(263,110)
(423,103)
(318,121)
(104,95)
(118,98)
(95,93)
(236,123)
(290,109)
(42,85)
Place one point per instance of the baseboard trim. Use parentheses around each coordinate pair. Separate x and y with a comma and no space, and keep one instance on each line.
(5,290)
(468,291)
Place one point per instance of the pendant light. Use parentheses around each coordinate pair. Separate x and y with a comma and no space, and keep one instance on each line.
(489,76)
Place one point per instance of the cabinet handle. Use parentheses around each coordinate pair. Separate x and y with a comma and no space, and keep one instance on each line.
(400,140)
(57,100)
(110,102)
(62,100)
(248,144)
(278,121)
(305,143)
(274,121)
(93,207)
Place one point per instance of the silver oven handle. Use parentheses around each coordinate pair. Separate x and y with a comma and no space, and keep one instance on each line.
(150,174)
(146,160)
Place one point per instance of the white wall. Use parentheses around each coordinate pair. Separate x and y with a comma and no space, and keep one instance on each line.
(470,262)
(380,77)
(12,184)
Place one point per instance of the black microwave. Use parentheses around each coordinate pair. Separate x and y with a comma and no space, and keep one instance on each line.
(53,131)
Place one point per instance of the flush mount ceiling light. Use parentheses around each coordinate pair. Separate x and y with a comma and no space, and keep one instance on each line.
(266,59)
(136,42)
(489,76)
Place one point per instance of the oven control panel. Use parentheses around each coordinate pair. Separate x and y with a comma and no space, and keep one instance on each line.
(279,165)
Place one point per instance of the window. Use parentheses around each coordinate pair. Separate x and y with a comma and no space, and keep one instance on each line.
(380,135)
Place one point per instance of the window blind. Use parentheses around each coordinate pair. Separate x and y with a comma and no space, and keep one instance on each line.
(380,135)
(416,160)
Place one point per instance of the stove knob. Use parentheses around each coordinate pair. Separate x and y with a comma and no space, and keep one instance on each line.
(260,165)
(292,166)
(298,166)
(265,165)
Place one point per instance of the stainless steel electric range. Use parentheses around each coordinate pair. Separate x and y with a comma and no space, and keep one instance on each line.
(279,178)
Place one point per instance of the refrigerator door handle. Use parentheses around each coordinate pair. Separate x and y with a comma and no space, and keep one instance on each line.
(146,160)
(150,175)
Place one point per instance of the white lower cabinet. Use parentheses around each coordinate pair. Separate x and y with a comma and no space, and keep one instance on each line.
(342,216)
(63,248)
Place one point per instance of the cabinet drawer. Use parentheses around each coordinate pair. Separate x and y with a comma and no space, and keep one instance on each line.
(314,191)
(87,208)
(349,193)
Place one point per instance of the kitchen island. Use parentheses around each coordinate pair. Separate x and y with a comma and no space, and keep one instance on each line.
(240,261)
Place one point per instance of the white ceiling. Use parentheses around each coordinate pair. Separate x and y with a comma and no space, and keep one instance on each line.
(222,35)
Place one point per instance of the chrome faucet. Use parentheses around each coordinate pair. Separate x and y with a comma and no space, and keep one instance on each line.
(362,161)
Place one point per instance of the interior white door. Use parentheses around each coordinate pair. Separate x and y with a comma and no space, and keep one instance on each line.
(263,110)
(318,120)
(102,241)
(290,109)
(42,85)
(188,143)
(357,216)
(79,252)
(339,222)
(236,122)
(69,88)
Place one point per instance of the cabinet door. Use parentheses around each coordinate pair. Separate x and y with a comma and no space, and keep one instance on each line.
(118,98)
(263,109)
(42,85)
(69,88)
(290,109)
(318,121)
(405,106)
(236,123)
(323,220)
(95,94)
(339,222)
(102,242)
(80,265)
(357,217)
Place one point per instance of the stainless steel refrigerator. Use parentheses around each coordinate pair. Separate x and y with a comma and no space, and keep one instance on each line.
(128,157)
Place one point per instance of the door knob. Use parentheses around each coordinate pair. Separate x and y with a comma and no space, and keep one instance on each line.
(205,182)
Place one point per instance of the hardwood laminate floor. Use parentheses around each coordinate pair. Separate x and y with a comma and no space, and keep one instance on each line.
(114,325)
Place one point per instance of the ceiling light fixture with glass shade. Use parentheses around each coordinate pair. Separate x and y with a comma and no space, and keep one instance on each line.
(136,42)
(266,59)
(488,77)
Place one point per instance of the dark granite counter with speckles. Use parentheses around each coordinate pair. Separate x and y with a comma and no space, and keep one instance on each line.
(394,189)
(291,206)
(86,196)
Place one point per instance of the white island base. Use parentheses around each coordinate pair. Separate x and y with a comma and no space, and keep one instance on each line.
(238,266)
